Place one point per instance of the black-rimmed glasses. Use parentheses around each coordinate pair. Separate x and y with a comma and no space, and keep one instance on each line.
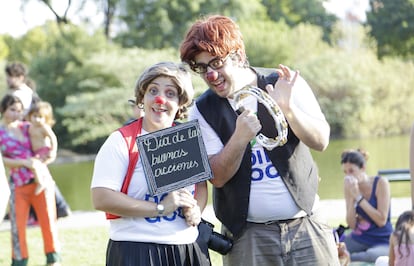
(215,63)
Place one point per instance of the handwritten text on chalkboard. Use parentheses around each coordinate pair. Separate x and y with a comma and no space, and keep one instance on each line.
(174,157)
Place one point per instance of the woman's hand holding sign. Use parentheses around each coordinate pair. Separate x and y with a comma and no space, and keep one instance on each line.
(184,199)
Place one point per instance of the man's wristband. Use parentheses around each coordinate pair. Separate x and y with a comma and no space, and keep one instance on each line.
(358,200)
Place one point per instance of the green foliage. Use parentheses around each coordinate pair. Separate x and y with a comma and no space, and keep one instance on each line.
(57,64)
(341,90)
(163,24)
(4,49)
(300,11)
(3,83)
(156,24)
(89,116)
(270,47)
(393,96)
(357,95)
(269,43)
(351,36)
(305,43)
(239,10)
(88,80)
(392,25)
(92,115)
(59,67)
(27,47)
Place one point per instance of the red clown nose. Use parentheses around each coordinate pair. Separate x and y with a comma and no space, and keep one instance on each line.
(159,100)
(212,76)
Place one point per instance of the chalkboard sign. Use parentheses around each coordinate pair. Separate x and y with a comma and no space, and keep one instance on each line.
(174,157)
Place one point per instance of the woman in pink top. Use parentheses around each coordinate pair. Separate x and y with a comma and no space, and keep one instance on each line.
(18,157)
(402,241)
(4,190)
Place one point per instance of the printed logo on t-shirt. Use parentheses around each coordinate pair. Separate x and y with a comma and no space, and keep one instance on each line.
(177,214)
(262,167)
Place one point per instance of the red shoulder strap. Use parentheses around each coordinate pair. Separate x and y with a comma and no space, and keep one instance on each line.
(129,132)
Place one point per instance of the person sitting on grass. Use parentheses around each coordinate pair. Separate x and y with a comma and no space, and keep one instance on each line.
(368,203)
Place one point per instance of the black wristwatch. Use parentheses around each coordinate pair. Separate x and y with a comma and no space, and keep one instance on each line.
(160,209)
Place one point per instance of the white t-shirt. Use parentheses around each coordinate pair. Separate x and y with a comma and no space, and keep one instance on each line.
(25,94)
(110,167)
(269,196)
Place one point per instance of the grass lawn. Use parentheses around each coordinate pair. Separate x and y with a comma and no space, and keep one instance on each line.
(79,246)
(82,246)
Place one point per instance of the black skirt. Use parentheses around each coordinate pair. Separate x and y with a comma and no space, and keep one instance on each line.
(126,253)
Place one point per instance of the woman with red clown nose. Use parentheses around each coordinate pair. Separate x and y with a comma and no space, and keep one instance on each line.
(159,100)
(145,229)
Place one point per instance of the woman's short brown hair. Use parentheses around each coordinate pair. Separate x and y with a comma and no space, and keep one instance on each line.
(178,74)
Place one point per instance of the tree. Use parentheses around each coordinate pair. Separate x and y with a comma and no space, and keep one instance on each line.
(272,37)
(110,10)
(89,80)
(82,11)
(240,10)
(155,24)
(392,25)
(59,18)
(4,48)
(59,65)
(300,11)
(163,24)
(26,47)
(110,7)
(90,116)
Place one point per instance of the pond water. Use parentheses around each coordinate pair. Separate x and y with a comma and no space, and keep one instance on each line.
(74,179)
(384,153)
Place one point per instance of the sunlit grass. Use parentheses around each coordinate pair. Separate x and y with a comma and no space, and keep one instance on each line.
(79,246)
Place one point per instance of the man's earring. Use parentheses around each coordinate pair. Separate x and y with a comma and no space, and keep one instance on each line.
(140,105)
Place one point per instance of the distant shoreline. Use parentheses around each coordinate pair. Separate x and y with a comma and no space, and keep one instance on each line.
(67,156)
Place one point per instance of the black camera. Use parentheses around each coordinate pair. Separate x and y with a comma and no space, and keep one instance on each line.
(215,241)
